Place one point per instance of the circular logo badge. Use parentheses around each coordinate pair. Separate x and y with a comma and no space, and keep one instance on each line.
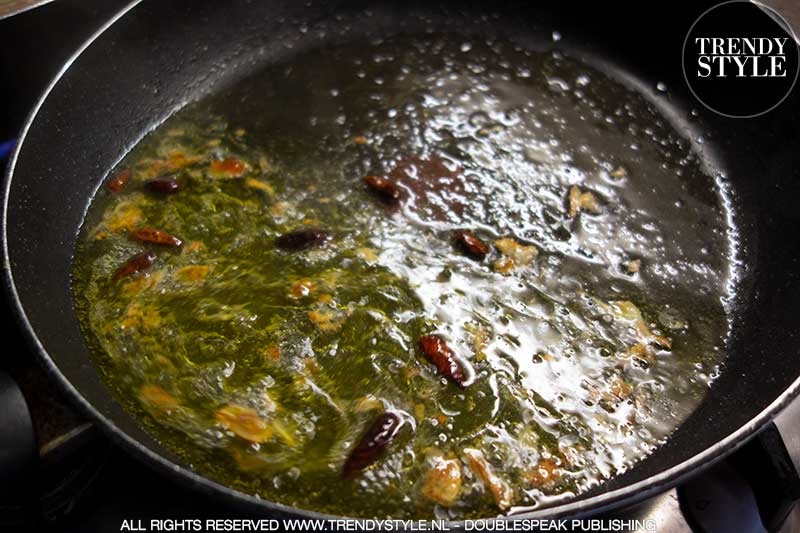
(740,59)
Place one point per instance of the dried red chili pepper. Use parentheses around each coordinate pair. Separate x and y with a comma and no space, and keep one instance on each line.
(135,264)
(385,189)
(301,239)
(163,185)
(440,190)
(438,353)
(119,180)
(157,236)
(373,443)
(471,245)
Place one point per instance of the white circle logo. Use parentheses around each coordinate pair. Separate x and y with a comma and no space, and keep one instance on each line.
(740,59)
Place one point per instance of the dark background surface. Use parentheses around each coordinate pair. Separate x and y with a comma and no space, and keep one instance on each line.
(32,48)
(94,490)
(724,94)
(34,45)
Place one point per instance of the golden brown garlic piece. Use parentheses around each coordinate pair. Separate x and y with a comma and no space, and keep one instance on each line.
(515,255)
(501,491)
(192,273)
(260,186)
(245,423)
(230,167)
(443,482)
(545,471)
(156,398)
(627,310)
(582,201)
(302,287)
(633,266)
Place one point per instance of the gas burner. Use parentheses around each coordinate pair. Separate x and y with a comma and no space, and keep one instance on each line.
(59,473)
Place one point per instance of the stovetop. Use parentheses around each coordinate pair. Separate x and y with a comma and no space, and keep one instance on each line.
(85,483)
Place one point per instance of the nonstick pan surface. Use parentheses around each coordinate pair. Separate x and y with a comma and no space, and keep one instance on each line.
(154,57)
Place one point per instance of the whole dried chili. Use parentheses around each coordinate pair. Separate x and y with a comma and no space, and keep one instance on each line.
(373,443)
(157,236)
(438,353)
(301,239)
(135,264)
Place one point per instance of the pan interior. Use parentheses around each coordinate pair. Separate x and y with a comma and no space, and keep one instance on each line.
(582,359)
(216,48)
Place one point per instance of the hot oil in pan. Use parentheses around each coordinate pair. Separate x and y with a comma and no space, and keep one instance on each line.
(586,334)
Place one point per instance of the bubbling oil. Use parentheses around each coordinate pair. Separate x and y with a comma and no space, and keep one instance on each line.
(582,361)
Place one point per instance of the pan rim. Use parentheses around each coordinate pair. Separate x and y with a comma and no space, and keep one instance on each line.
(606,501)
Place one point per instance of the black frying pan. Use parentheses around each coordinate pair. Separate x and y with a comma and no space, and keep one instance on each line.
(155,56)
